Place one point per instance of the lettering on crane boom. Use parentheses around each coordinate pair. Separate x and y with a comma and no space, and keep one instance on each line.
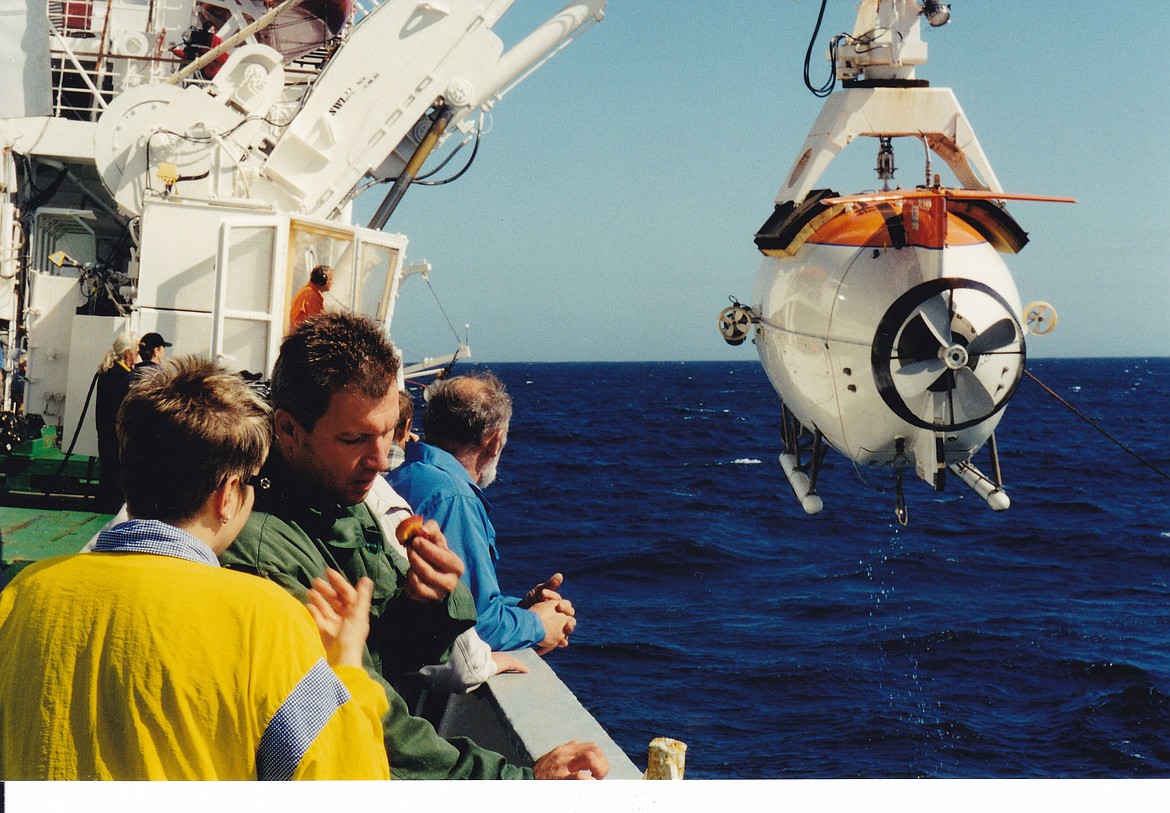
(364,82)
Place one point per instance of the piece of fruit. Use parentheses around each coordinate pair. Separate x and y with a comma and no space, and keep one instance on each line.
(408,529)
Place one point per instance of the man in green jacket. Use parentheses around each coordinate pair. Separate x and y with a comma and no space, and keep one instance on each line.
(335,405)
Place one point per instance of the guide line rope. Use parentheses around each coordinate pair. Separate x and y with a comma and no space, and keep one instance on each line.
(1094,424)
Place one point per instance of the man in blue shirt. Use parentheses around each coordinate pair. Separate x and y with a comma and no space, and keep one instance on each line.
(466,427)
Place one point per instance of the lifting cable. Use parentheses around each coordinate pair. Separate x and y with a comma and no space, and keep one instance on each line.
(1093,424)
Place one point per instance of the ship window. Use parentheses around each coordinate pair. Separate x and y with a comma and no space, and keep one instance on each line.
(247,340)
(251,251)
(314,246)
(374,274)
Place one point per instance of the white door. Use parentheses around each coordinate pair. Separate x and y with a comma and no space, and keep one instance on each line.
(248,309)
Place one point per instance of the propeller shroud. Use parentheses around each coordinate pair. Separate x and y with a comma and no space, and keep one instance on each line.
(926,353)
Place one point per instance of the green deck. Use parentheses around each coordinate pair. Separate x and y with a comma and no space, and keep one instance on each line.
(36,471)
(46,503)
(32,534)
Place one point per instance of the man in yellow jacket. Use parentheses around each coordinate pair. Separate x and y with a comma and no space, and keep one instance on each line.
(145,660)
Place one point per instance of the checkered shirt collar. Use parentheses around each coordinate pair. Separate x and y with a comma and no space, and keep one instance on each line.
(153,536)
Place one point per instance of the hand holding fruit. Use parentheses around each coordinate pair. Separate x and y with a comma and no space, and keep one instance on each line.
(408,529)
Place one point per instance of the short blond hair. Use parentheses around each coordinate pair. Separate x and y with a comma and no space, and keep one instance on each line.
(183,432)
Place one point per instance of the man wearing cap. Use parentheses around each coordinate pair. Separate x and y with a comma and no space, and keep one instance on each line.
(151,349)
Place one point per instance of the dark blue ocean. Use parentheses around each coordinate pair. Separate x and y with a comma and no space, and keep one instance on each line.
(1030,643)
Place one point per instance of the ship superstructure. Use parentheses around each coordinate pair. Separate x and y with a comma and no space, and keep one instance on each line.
(179,167)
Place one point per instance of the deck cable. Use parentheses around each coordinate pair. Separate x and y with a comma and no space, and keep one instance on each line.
(77,432)
(1094,424)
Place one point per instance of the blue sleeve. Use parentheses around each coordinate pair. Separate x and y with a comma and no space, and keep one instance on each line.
(502,624)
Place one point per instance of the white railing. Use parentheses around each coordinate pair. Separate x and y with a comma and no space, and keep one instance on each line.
(510,715)
(99,48)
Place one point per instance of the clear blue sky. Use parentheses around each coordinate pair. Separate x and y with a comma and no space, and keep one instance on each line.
(611,209)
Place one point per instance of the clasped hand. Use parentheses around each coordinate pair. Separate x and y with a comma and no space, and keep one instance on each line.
(545,591)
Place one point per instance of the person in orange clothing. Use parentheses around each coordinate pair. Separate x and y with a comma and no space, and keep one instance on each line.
(310,300)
